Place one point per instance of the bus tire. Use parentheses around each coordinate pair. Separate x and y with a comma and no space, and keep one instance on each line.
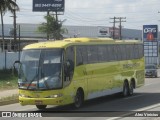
(131,88)
(41,107)
(125,89)
(79,99)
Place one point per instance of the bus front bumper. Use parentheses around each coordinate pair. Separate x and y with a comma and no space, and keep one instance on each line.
(41,101)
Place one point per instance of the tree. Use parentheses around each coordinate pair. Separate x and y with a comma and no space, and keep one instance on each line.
(52,28)
(6,5)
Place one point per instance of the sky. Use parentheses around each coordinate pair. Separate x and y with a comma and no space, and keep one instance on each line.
(95,13)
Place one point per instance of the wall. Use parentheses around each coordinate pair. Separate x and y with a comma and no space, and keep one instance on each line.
(11,57)
(27,30)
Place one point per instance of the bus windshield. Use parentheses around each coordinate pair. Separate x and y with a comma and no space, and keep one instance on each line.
(40,69)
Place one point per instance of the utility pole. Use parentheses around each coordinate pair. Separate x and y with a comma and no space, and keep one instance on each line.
(56,24)
(56,16)
(114,22)
(119,21)
(19,44)
(47,25)
(120,26)
(15,29)
(3,41)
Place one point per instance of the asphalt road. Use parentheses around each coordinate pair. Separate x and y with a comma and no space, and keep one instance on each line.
(146,98)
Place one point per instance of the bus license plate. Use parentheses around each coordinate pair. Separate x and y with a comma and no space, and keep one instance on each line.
(38,102)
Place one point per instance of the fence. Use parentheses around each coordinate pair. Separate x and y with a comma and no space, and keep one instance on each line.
(7,59)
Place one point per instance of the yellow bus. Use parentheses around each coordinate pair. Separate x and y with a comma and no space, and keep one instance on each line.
(74,70)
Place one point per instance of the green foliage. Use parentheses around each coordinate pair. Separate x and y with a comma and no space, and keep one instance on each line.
(8,5)
(52,28)
(7,80)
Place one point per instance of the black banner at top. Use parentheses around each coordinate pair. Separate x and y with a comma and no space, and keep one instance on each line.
(48,5)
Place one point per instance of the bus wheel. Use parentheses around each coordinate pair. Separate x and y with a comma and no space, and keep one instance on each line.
(125,89)
(40,107)
(78,99)
(131,89)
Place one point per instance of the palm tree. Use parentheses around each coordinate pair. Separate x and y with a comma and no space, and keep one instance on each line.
(6,5)
(52,28)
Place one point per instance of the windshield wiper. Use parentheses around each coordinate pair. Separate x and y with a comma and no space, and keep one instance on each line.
(32,81)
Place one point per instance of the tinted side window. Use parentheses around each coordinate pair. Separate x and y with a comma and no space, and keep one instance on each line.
(132,51)
(114,49)
(102,53)
(82,55)
(128,52)
(70,55)
(141,51)
(119,52)
(123,52)
(136,51)
(92,54)
(110,52)
(79,57)
(86,54)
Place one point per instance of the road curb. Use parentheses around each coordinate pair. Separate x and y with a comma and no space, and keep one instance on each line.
(9,100)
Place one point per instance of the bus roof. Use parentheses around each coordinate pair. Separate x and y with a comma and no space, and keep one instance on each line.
(77,41)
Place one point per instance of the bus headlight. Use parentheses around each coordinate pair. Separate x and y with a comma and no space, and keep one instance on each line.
(22,95)
(55,96)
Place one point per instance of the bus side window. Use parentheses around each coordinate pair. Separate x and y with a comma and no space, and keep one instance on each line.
(136,51)
(92,54)
(79,57)
(69,64)
(141,51)
(123,50)
(110,52)
(128,51)
(102,53)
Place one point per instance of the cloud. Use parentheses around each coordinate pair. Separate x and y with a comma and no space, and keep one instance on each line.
(96,12)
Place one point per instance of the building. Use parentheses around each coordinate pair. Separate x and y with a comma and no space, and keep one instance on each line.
(29,34)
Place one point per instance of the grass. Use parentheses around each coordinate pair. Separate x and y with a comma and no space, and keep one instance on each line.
(8,80)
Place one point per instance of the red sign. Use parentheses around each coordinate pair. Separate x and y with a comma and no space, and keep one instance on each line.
(150,36)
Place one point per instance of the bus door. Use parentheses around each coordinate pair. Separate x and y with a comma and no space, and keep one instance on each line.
(69,65)
(81,74)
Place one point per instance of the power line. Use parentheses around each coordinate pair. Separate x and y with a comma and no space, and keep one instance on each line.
(120,20)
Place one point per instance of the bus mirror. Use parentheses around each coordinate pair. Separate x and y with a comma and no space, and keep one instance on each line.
(14,70)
